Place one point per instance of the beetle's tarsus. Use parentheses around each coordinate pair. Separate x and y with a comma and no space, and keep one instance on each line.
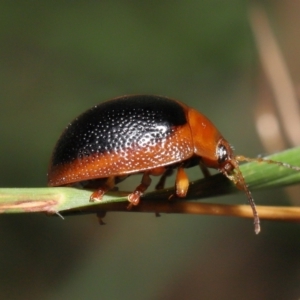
(134,198)
(97,195)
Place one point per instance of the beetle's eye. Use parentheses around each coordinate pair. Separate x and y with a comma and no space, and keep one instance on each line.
(222,154)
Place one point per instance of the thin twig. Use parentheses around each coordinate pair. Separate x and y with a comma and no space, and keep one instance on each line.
(278,213)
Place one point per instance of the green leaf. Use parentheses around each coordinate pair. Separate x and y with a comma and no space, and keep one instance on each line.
(62,199)
(258,175)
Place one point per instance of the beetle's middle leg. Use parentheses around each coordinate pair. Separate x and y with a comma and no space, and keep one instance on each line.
(162,180)
(134,198)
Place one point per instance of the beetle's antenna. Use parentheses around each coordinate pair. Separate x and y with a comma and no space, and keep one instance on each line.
(268,161)
(237,177)
(242,185)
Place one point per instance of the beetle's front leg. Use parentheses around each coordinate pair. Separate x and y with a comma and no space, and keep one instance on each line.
(182,183)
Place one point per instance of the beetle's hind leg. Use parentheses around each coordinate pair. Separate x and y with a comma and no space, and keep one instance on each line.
(106,186)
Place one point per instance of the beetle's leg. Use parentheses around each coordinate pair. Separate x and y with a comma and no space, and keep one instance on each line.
(162,180)
(134,198)
(182,182)
(204,170)
(108,185)
(100,216)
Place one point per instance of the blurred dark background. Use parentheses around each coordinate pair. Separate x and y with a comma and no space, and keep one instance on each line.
(57,59)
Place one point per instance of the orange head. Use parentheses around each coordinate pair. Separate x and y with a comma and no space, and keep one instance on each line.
(215,152)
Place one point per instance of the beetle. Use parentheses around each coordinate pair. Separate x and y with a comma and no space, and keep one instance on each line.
(142,134)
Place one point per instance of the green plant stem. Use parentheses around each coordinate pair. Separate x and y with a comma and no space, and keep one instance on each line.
(68,201)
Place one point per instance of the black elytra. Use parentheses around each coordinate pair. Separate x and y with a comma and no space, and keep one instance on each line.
(119,124)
